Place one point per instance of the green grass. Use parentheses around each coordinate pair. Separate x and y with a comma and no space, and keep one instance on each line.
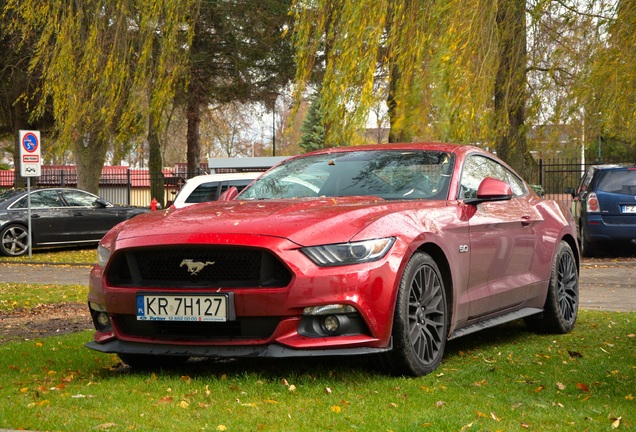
(72,256)
(26,296)
(500,379)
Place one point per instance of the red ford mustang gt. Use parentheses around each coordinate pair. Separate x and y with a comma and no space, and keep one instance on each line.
(388,250)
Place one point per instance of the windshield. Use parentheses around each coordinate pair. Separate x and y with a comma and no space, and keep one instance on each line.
(388,174)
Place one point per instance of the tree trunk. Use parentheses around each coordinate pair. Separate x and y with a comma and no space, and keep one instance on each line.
(510,87)
(90,155)
(20,122)
(193,136)
(155,162)
(396,132)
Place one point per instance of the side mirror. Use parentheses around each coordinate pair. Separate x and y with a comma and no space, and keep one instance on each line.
(491,189)
(570,190)
(101,202)
(229,194)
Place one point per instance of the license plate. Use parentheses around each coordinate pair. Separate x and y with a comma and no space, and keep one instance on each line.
(629,209)
(169,307)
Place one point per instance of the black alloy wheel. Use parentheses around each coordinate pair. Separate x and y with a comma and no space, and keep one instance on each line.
(562,302)
(420,325)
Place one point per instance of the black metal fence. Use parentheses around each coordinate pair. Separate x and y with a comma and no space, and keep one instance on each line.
(555,175)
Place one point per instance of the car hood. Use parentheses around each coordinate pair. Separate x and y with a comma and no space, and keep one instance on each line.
(302,221)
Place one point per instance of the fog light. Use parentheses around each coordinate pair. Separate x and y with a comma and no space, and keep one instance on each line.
(102,320)
(331,324)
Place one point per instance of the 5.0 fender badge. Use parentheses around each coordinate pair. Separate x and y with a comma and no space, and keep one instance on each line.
(195,267)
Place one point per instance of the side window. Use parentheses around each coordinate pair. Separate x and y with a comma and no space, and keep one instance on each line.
(79,199)
(585,181)
(240,184)
(41,199)
(477,168)
(516,184)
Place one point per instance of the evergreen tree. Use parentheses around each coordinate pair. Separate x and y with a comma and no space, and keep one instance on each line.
(313,128)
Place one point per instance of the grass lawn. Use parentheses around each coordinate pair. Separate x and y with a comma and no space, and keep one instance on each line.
(86,255)
(501,379)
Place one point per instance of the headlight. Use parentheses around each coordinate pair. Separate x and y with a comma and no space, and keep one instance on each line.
(349,253)
(103,254)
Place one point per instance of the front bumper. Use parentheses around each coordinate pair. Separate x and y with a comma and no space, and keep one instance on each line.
(369,288)
(273,351)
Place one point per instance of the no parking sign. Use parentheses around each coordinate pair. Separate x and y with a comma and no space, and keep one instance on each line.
(30,158)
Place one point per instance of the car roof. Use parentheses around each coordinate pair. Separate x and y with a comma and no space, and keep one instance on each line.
(204,178)
(436,146)
(611,166)
(593,169)
(245,163)
(421,146)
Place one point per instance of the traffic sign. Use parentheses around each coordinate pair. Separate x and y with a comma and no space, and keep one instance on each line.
(30,157)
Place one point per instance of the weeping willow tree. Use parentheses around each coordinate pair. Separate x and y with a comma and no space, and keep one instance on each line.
(109,68)
(455,70)
(608,88)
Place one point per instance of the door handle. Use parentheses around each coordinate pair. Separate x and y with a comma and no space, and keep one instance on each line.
(526,220)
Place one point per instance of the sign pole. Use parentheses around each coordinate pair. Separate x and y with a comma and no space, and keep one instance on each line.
(29,215)
(30,166)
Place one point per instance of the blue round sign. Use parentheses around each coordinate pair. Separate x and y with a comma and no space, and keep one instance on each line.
(30,142)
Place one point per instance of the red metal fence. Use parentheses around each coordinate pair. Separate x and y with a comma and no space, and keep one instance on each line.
(117,184)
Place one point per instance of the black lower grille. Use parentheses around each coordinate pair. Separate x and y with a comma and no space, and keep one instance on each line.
(197,266)
(244,328)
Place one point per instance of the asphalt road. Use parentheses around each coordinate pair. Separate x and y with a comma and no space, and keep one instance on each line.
(603,285)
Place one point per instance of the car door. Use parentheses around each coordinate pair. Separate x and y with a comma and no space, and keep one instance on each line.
(47,215)
(502,240)
(90,220)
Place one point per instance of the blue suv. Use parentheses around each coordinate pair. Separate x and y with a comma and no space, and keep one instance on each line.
(604,207)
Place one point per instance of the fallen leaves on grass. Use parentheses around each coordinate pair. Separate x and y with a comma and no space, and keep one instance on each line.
(583,387)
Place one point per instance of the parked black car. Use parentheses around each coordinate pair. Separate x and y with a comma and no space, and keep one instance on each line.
(59,216)
(604,207)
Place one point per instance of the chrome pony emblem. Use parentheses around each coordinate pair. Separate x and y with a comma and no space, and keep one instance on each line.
(195,267)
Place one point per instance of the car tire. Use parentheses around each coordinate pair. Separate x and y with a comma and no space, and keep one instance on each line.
(562,302)
(420,323)
(148,361)
(14,240)
(587,249)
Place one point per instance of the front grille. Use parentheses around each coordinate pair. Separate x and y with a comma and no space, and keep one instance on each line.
(197,266)
(243,328)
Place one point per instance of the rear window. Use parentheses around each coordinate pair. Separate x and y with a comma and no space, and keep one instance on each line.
(210,191)
(618,181)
